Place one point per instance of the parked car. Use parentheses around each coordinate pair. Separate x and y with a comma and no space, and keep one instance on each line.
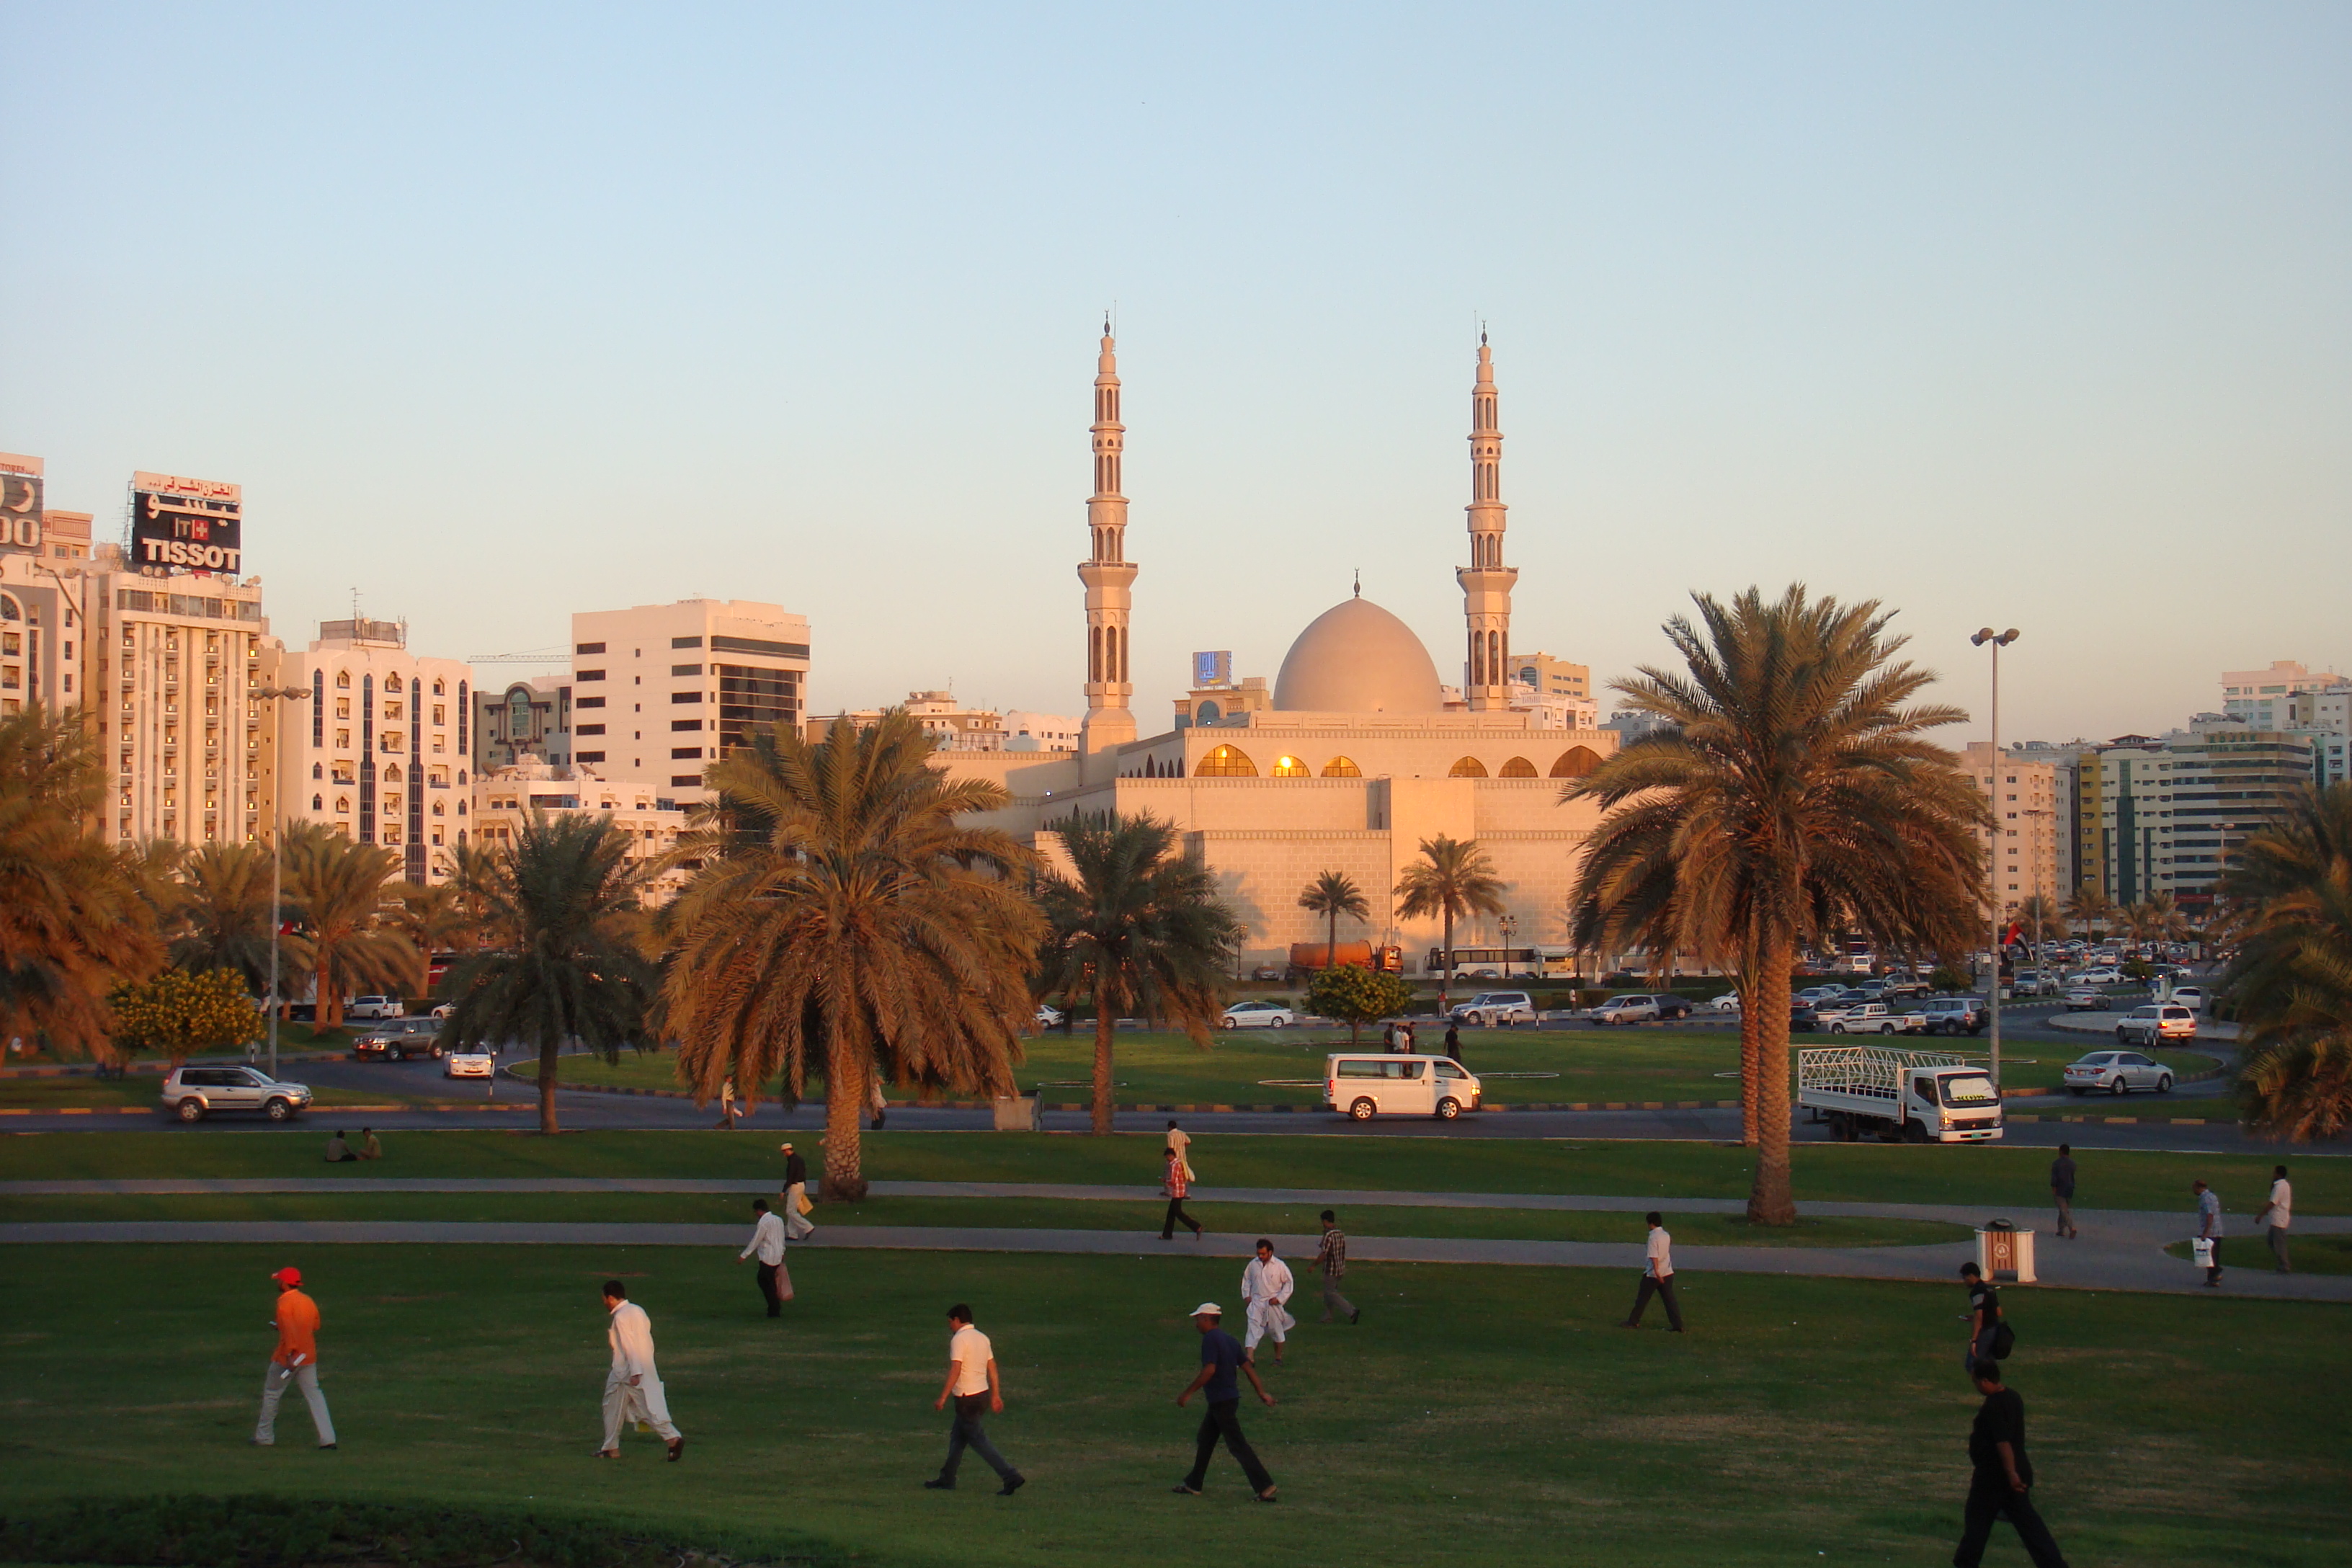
(374,1007)
(470,1061)
(2084,999)
(192,1093)
(1363,1087)
(1048,1018)
(2117,1072)
(2190,997)
(1820,993)
(1269,972)
(1953,1015)
(1875,1018)
(1899,988)
(1636,1009)
(398,1040)
(1491,1007)
(1804,1020)
(2100,978)
(1726,1002)
(444,1013)
(1257,1015)
(2157,1021)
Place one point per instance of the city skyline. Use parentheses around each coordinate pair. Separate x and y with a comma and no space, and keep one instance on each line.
(2031,325)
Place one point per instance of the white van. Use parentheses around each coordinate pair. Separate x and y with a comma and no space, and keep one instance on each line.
(1376,1084)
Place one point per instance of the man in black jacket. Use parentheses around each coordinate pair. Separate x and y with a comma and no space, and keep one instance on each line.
(2003,1481)
(796,1192)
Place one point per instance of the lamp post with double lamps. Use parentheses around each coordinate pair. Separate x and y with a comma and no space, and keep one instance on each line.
(1998,641)
(277,848)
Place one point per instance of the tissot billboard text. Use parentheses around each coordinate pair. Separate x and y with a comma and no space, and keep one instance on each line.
(195,524)
(20,502)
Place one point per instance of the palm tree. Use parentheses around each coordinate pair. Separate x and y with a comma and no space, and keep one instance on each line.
(223,917)
(336,889)
(1453,880)
(474,878)
(2290,888)
(842,920)
(2092,909)
(1139,926)
(1790,797)
(435,919)
(1333,894)
(2041,917)
(568,891)
(72,922)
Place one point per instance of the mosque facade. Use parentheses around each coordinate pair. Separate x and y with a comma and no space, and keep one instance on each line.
(1357,755)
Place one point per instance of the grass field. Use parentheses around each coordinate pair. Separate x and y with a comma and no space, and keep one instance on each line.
(1053,1214)
(1589,1066)
(2004,1179)
(1476,1415)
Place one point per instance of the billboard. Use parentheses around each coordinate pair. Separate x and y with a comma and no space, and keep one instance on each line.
(197,525)
(21,514)
(1213,668)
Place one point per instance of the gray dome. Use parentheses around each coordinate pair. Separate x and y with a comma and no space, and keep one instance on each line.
(1356,658)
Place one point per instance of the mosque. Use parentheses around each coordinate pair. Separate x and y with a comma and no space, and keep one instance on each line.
(1357,754)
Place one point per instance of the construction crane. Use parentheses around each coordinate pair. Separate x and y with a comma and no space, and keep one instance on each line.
(530,655)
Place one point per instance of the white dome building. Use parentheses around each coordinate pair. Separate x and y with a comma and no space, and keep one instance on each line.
(1356,658)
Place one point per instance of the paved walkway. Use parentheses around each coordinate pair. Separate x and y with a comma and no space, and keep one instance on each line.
(2123,1248)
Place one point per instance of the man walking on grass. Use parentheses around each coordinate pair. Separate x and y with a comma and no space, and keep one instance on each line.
(632,1389)
(2001,1481)
(1266,1286)
(2279,1213)
(2062,1187)
(974,1386)
(1331,1263)
(2209,1228)
(1657,1277)
(295,1361)
(768,1245)
(795,1195)
(1223,1363)
(1176,1183)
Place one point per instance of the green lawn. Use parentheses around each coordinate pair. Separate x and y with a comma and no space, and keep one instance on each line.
(2308,1254)
(2001,1179)
(1475,1416)
(1051,1213)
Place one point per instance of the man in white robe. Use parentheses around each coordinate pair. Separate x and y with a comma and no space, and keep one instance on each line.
(632,1389)
(1266,1288)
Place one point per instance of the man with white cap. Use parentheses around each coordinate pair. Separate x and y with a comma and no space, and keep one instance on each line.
(796,1224)
(295,1361)
(1266,1286)
(632,1389)
(1223,1363)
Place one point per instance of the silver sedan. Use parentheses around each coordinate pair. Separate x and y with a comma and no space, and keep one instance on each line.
(2117,1072)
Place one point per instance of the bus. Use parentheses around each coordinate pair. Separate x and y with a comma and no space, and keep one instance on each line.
(1483,962)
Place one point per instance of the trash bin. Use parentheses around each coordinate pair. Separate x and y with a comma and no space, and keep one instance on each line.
(2005,1253)
(1016,1113)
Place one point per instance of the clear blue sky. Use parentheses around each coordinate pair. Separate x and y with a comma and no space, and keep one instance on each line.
(2036,315)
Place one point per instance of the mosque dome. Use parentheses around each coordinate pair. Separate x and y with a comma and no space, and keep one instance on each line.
(1356,658)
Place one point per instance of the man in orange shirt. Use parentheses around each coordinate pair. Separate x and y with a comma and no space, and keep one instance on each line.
(296,1360)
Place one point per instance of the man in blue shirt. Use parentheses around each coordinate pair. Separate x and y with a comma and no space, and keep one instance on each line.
(1223,1363)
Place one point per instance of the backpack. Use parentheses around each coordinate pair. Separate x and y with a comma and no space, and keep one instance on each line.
(2004,1340)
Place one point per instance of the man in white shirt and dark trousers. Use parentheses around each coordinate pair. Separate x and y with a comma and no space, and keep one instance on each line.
(1657,1277)
(2278,1214)
(1266,1286)
(632,1389)
(2209,1228)
(974,1385)
(768,1245)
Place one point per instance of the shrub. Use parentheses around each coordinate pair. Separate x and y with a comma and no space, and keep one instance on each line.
(1355,997)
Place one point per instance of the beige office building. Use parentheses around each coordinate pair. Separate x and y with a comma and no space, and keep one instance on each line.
(2032,804)
(505,799)
(659,691)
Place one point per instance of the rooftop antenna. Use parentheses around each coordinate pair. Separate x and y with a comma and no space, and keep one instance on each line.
(1359,582)
(355,602)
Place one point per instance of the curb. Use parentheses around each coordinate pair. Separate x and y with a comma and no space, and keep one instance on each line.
(1202,1107)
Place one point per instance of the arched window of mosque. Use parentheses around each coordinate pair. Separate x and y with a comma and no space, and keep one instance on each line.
(1518,768)
(1210,713)
(1468,768)
(1342,768)
(318,803)
(1226,762)
(317,771)
(1288,768)
(8,610)
(1576,762)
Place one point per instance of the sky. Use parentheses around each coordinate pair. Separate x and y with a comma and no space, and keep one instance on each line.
(2030,315)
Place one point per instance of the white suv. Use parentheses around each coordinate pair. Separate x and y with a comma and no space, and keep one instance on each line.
(1490,1007)
(375,1007)
(194,1093)
(2157,1021)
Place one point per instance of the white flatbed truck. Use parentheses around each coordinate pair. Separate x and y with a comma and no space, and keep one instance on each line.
(1914,1096)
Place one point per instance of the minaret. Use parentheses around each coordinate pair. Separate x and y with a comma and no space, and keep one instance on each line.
(1486,582)
(1106,572)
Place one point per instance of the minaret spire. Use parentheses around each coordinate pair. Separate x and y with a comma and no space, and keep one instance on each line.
(1106,572)
(1486,582)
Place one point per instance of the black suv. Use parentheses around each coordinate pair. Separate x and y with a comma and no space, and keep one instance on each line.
(397,1039)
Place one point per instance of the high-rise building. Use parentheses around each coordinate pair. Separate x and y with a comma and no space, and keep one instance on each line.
(1552,676)
(659,691)
(2260,698)
(2164,814)
(2030,806)
(41,591)
(380,752)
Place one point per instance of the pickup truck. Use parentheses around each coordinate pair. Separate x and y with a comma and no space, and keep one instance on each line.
(1870,1019)
(1913,1097)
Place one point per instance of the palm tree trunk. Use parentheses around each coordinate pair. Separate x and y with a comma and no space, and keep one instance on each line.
(1331,942)
(329,1011)
(844,1103)
(1751,1054)
(1769,1201)
(1105,1021)
(1445,976)
(550,1050)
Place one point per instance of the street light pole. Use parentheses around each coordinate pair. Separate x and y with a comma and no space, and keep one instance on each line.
(1998,641)
(276,849)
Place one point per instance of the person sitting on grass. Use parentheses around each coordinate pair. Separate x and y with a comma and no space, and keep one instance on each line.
(337,1151)
(371,1146)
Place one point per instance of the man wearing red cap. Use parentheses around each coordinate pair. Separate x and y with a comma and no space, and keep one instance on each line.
(296,1360)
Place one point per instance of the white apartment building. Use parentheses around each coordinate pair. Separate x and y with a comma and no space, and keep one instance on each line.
(660,690)
(505,797)
(42,591)
(1028,731)
(2028,809)
(382,751)
(2315,708)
